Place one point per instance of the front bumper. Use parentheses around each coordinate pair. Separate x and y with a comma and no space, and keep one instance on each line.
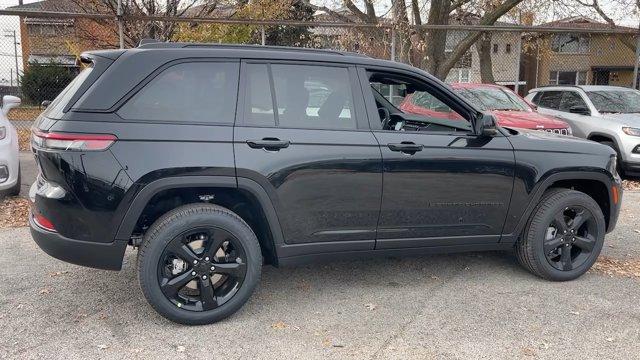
(106,256)
(9,164)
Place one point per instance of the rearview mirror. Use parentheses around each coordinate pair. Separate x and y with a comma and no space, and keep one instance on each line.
(9,102)
(580,110)
(485,126)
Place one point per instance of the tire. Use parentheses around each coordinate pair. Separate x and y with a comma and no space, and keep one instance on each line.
(168,233)
(14,190)
(612,145)
(541,234)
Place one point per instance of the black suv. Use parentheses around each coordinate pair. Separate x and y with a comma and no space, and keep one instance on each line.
(215,159)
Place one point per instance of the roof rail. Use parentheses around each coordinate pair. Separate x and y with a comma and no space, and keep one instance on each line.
(154,44)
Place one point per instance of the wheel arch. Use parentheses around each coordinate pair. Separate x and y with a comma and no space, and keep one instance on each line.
(595,184)
(260,214)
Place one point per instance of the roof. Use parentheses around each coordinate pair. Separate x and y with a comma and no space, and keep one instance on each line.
(47,5)
(262,48)
(582,22)
(581,87)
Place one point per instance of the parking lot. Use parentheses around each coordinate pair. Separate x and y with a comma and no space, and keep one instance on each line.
(477,305)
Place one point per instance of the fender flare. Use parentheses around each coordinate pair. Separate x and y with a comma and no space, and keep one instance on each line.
(545,184)
(142,198)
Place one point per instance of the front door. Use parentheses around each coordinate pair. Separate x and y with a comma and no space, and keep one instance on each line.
(302,135)
(442,185)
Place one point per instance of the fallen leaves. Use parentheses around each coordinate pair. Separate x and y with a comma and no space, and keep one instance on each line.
(24,139)
(45,291)
(633,185)
(14,212)
(617,267)
(371,306)
(57,273)
(279,325)
(103,347)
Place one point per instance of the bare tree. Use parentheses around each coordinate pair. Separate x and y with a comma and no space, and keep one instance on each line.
(628,41)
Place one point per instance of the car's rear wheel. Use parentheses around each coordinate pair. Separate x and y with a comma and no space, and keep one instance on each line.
(199,264)
(563,237)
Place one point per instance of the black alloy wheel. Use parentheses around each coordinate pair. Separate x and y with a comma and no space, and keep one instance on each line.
(570,238)
(202,268)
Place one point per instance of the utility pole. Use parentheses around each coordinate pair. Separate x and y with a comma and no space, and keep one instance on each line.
(12,34)
(635,65)
(120,27)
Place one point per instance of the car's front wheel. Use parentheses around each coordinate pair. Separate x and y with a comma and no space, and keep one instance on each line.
(198,264)
(564,236)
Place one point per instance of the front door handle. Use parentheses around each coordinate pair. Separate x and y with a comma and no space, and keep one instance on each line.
(406,147)
(269,144)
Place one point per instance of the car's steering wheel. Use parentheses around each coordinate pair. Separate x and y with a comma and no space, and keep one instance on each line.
(385,115)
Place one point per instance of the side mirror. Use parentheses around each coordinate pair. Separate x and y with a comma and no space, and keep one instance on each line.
(9,102)
(486,126)
(580,110)
(45,104)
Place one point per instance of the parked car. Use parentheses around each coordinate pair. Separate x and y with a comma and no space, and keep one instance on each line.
(9,160)
(509,108)
(609,115)
(215,159)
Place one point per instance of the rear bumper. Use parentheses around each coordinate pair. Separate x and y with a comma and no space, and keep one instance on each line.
(106,256)
(632,168)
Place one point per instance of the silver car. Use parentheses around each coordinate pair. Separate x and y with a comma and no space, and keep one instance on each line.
(607,114)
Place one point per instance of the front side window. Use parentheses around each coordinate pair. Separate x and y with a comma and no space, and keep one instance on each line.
(549,99)
(571,99)
(200,92)
(616,101)
(405,104)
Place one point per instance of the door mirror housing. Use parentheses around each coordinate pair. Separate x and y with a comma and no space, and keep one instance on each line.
(580,110)
(9,102)
(45,104)
(485,126)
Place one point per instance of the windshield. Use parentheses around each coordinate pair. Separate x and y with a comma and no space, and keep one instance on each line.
(494,99)
(616,101)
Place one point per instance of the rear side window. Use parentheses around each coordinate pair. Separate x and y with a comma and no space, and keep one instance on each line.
(314,97)
(550,99)
(198,92)
(305,96)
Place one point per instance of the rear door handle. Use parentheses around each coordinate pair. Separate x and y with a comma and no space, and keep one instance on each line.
(406,147)
(269,144)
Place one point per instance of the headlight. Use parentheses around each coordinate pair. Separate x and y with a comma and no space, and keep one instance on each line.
(631,131)
(569,131)
(3,132)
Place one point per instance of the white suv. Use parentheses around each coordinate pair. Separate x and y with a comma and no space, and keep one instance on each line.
(607,114)
(9,162)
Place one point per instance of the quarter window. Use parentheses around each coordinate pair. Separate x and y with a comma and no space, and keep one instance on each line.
(202,92)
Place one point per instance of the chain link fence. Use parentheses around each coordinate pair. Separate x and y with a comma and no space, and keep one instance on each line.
(40,50)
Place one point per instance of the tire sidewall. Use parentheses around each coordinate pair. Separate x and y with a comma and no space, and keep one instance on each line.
(150,259)
(540,229)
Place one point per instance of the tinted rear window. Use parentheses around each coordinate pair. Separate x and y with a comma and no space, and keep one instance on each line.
(55,109)
(199,92)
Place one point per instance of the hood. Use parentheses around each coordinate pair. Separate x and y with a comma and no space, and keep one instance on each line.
(546,141)
(528,120)
(624,119)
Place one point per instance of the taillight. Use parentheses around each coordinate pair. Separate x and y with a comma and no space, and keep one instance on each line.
(43,222)
(74,142)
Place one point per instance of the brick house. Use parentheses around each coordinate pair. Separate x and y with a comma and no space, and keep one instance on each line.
(50,40)
(581,58)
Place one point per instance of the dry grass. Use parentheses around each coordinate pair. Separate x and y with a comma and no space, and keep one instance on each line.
(617,267)
(14,212)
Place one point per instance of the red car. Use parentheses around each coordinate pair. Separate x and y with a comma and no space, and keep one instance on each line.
(509,109)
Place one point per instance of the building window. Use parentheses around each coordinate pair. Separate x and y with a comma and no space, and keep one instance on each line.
(459,75)
(507,49)
(568,78)
(495,48)
(572,44)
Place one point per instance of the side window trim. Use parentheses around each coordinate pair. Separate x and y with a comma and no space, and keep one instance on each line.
(359,108)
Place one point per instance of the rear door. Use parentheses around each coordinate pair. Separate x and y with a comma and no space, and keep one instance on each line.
(303,135)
